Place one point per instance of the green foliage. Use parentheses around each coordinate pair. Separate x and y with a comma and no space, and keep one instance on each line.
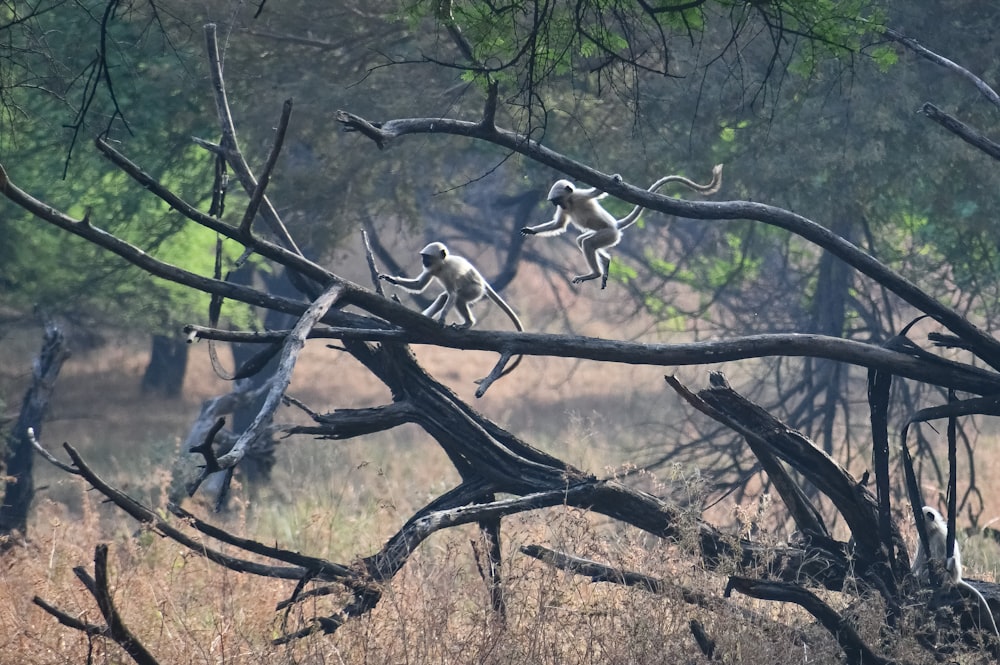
(729,133)
(621,272)
(64,275)
(530,45)
(728,263)
(151,117)
(834,28)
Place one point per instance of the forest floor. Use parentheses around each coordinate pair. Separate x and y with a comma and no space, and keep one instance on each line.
(341,500)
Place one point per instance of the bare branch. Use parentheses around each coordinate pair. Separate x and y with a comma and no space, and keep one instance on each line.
(853,501)
(598,572)
(149,517)
(962,130)
(318,569)
(912,44)
(230,147)
(940,371)
(49,457)
(69,620)
(855,649)
(372,268)
(349,423)
(807,518)
(495,373)
(983,344)
(283,375)
(265,177)
(116,627)
(354,123)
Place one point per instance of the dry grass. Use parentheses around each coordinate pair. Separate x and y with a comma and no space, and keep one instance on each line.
(341,500)
(185,610)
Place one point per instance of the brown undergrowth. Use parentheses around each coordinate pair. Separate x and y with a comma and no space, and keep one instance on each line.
(187,610)
(342,500)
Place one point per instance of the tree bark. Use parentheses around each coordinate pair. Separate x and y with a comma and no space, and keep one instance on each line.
(167,366)
(19,456)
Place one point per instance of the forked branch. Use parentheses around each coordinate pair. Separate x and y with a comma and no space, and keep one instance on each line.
(114,627)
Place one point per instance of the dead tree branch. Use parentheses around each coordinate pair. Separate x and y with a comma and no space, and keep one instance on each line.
(151,520)
(257,197)
(283,376)
(855,649)
(598,572)
(935,371)
(983,344)
(968,134)
(230,148)
(852,500)
(984,89)
(114,627)
(19,488)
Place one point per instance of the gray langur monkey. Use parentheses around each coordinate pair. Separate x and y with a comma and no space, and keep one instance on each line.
(600,229)
(937,536)
(463,287)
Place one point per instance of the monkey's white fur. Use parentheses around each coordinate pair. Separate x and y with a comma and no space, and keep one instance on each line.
(601,230)
(937,537)
(463,287)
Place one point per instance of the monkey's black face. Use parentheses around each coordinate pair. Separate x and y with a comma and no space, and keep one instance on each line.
(432,259)
(559,195)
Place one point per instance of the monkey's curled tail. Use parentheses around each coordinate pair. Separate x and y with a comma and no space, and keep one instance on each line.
(711,188)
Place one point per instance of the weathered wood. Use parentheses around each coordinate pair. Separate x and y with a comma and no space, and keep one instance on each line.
(19,488)
(114,627)
(805,515)
(855,649)
(491,460)
(858,507)
(936,371)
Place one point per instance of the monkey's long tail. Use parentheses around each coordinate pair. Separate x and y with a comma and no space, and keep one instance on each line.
(711,188)
(502,304)
(517,361)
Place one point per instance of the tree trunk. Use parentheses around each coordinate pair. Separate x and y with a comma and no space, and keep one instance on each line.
(18,460)
(167,366)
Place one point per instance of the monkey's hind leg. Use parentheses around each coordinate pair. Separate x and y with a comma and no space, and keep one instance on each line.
(464,310)
(605,268)
(592,245)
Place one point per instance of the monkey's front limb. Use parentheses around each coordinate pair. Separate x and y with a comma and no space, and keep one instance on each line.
(555,226)
(441,305)
(415,285)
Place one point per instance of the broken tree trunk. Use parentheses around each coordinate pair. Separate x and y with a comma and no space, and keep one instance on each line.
(19,488)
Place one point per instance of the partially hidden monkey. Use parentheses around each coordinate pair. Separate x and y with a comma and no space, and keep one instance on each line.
(463,287)
(601,230)
(937,536)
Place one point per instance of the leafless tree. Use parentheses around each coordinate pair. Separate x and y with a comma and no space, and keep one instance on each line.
(491,460)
